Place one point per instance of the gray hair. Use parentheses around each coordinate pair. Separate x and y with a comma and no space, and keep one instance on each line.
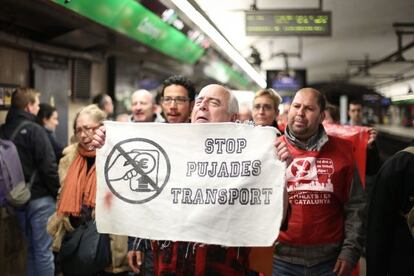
(233,105)
(143,91)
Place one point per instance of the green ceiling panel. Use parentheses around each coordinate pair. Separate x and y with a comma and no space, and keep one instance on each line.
(137,22)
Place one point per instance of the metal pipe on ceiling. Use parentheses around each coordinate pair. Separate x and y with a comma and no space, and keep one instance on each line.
(31,45)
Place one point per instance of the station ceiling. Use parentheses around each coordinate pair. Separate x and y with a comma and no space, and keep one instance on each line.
(24,23)
(362,34)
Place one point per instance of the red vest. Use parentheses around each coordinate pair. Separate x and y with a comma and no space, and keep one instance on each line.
(318,184)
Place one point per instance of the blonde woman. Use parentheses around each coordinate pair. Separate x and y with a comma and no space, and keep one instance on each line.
(266,107)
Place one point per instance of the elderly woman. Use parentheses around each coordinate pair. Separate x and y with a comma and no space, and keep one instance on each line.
(266,107)
(76,202)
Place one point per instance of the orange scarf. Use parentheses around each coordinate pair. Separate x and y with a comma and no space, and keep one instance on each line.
(80,186)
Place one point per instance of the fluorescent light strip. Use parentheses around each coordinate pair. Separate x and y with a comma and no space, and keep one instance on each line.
(208,29)
(402,98)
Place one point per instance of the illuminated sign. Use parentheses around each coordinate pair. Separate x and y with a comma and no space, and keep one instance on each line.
(132,19)
(223,73)
(297,22)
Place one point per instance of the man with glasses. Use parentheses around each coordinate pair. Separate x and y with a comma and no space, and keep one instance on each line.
(177,99)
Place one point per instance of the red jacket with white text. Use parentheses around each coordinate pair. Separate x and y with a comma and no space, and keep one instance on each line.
(318,184)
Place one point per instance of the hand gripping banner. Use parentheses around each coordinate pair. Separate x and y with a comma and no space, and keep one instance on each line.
(207,183)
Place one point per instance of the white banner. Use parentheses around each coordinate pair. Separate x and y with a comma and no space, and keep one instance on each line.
(206,183)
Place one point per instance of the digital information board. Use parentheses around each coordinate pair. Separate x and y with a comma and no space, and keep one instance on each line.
(297,22)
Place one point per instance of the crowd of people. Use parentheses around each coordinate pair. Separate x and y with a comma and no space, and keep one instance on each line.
(325,228)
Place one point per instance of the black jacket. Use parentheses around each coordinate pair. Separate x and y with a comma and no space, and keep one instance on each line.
(373,163)
(390,246)
(57,148)
(35,152)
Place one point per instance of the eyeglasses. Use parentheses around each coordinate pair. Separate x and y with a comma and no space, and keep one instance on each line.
(178,100)
(88,130)
(266,107)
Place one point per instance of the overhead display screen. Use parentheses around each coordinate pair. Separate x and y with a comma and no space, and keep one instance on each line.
(286,81)
(297,22)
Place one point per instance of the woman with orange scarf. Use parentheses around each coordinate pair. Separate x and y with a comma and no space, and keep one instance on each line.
(76,202)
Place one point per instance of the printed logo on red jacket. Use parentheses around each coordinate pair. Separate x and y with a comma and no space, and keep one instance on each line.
(310,174)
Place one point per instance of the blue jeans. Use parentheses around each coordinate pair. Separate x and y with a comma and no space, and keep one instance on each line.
(33,221)
(282,268)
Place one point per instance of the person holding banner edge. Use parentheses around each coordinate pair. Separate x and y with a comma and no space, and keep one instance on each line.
(326,224)
(177,101)
(373,162)
(214,104)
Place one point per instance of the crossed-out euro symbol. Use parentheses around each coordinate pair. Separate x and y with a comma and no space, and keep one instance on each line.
(138,167)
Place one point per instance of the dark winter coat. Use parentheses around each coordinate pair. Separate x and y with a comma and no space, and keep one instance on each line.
(390,246)
(35,152)
(57,148)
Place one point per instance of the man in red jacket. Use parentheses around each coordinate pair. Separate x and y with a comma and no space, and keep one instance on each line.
(325,228)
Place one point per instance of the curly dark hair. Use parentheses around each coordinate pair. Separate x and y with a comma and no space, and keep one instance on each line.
(180,80)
